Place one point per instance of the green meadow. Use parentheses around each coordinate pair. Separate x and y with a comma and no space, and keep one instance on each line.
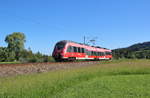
(112,79)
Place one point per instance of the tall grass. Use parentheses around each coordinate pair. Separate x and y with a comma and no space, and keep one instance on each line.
(115,79)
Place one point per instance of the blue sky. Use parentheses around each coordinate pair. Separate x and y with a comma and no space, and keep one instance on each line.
(115,23)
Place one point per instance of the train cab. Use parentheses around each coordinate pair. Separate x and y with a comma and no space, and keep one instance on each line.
(58,51)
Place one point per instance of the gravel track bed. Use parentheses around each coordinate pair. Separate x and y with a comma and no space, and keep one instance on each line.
(20,69)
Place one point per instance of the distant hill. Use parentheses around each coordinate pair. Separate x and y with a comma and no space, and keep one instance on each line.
(139,51)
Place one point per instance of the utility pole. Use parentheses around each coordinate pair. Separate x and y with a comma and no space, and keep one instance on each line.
(84,40)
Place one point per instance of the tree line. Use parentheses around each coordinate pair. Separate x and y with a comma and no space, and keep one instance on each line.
(136,51)
(15,50)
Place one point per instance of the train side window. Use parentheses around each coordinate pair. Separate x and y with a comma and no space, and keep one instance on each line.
(69,49)
(83,50)
(95,53)
(74,49)
(79,50)
(101,53)
(109,53)
(104,53)
(92,53)
(98,53)
(87,52)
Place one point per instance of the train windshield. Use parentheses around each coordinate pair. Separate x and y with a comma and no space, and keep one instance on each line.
(60,45)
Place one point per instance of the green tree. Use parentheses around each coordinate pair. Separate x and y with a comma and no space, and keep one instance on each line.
(3,54)
(15,42)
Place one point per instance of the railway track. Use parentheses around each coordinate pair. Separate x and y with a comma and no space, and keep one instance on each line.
(29,68)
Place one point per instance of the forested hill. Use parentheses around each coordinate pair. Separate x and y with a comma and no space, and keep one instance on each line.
(139,51)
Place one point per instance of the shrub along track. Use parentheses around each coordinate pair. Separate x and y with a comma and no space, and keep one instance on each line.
(28,68)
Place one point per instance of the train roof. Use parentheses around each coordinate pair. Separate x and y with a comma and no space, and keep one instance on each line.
(68,41)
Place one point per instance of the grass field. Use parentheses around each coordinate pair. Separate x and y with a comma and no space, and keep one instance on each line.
(115,79)
(10,62)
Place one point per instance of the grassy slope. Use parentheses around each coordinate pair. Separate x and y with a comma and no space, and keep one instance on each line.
(117,79)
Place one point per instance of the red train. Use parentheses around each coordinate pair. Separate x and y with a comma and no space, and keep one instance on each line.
(70,51)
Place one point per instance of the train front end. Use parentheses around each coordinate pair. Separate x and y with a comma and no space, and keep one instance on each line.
(58,52)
